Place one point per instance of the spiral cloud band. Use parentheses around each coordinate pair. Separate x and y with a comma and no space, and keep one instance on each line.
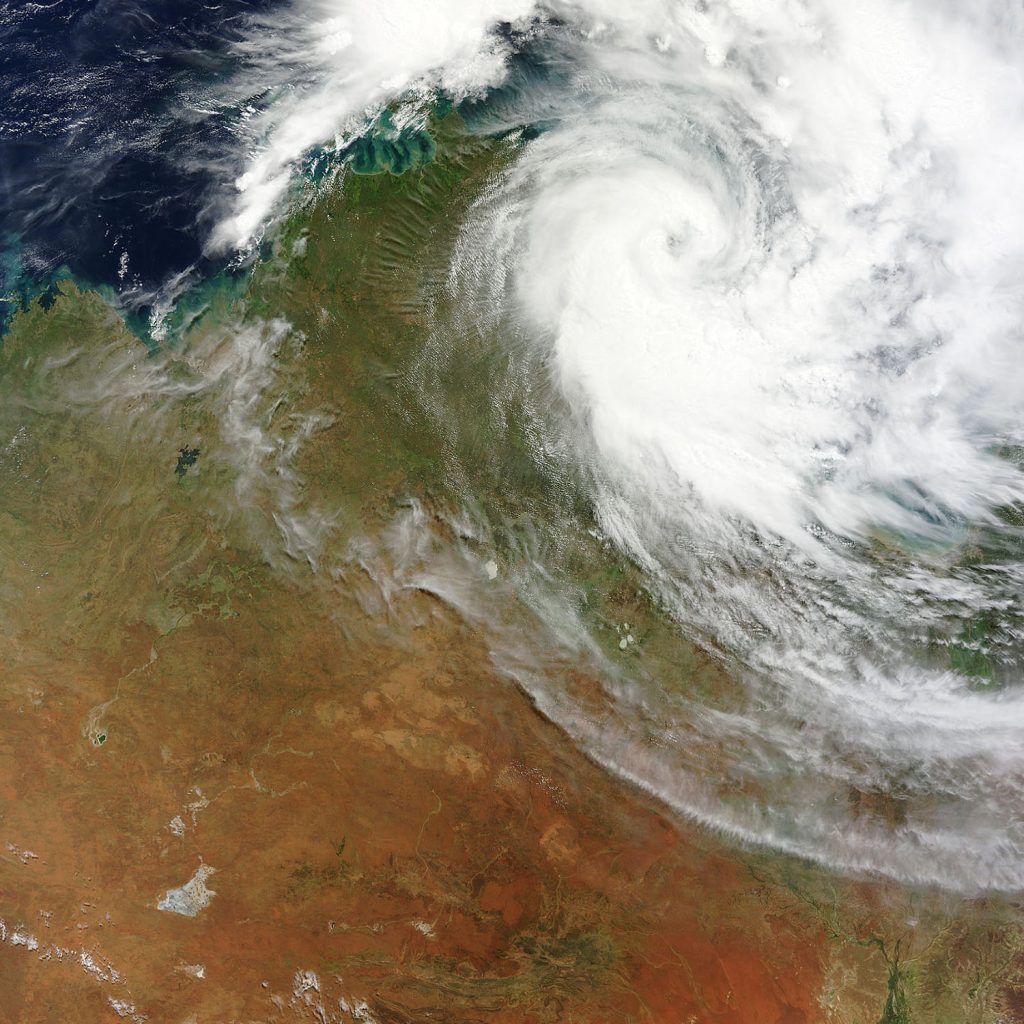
(773,254)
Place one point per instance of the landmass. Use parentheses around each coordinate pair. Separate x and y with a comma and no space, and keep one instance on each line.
(260,759)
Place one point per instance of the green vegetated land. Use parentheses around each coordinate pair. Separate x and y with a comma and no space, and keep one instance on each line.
(308,410)
(430,403)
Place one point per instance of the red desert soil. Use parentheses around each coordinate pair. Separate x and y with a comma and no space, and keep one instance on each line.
(393,835)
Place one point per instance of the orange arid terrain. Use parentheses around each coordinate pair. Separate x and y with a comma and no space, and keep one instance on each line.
(276,742)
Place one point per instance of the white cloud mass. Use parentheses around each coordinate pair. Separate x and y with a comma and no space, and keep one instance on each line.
(774,250)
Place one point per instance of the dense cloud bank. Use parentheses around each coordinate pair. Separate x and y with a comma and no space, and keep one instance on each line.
(774,252)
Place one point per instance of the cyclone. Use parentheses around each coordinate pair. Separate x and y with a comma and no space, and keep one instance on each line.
(770,257)
(771,254)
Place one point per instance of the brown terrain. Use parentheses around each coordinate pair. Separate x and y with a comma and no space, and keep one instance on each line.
(393,834)
(239,787)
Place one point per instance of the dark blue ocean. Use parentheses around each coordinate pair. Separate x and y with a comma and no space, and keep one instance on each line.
(122,132)
(113,148)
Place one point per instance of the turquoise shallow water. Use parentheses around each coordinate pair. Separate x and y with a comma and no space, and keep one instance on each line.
(111,155)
